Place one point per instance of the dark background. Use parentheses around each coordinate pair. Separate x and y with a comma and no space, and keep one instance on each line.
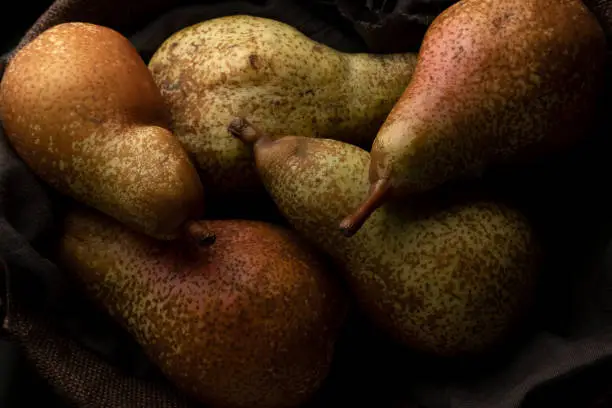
(18,385)
(18,20)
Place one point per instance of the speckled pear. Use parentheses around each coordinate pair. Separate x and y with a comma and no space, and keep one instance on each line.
(450,278)
(247,322)
(82,110)
(495,82)
(275,75)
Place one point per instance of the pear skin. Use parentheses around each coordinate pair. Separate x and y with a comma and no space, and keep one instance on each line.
(81,109)
(279,78)
(248,321)
(453,280)
(495,83)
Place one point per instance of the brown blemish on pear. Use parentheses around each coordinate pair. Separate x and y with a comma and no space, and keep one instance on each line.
(82,110)
(451,279)
(282,80)
(249,321)
(495,82)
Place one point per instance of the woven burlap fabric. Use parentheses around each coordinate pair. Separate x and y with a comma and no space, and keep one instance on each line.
(565,362)
(82,378)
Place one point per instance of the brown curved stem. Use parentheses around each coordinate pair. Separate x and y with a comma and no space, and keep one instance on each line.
(200,236)
(244,130)
(376,197)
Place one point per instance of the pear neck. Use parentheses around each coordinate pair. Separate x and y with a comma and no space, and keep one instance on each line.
(389,72)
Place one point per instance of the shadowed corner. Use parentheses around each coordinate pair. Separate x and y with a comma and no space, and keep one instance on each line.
(4,297)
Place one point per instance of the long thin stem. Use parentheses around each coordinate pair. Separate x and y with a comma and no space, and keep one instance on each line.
(376,197)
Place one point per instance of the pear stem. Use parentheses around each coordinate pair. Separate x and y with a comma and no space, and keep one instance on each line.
(379,191)
(244,130)
(199,235)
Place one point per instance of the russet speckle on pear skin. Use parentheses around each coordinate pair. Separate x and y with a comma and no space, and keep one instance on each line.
(249,321)
(449,281)
(82,110)
(279,78)
(495,81)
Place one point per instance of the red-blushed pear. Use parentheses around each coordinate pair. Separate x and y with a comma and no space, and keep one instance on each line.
(495,82)
(248,321)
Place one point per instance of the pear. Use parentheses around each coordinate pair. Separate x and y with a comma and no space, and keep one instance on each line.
(496,82)
(452,278)
(81,109)
(249,321)
(279,78)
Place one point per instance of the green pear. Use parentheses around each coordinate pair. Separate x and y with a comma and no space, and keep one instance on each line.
(451,279)
(249,321)
(281,79)
(496,82)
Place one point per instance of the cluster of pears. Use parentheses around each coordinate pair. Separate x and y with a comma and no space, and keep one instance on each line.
(354,150)
(237,313)
(288,84)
